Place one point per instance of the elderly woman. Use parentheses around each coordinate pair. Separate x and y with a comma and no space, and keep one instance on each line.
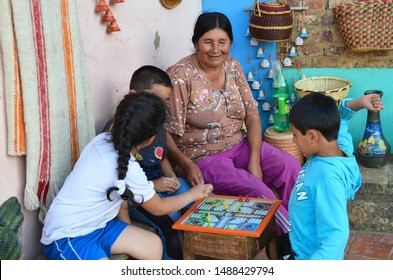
(211,100)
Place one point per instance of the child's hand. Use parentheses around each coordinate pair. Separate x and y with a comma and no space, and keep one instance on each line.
(166,184)
(201,190)
(177,183)
(372,102)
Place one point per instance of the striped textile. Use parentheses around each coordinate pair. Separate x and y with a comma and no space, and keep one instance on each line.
(16,145)
(55,90)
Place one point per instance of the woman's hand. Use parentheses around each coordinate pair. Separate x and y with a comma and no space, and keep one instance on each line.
(254,138)
(166,184)
(255,169)
(193,174)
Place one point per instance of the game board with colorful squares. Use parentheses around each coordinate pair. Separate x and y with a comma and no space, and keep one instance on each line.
(227,213)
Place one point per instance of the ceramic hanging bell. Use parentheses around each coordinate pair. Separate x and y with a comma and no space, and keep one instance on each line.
(304,33)
(108,17)
(261,95)
(102,6)
(254,42)
(265,63)
(292,52)
(250,77)
(270,74)
(271,119)
(299,41)
(292,98)
(266,106)
(255,85)
(260,53)
(113,27)
(287,62)
(247,32)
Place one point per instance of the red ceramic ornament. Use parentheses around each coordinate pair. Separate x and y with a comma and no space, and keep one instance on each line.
(108,17)
(113,27)
(102,6)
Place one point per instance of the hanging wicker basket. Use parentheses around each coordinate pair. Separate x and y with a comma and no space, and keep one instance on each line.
(336,88)
(271,21)
(366,25)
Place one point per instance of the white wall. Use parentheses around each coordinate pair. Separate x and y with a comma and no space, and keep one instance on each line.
(111,58)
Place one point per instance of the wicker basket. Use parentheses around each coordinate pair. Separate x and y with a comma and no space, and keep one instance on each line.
(366,25)
(336,88)
(271,21)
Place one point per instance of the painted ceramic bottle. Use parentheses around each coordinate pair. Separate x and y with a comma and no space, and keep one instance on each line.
(373,149)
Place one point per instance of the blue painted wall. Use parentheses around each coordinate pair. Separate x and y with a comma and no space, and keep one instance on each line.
(242,49)
(362,78)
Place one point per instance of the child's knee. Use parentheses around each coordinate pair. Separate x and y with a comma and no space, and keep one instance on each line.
(156,243)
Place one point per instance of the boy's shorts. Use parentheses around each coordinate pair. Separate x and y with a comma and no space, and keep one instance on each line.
(92,246)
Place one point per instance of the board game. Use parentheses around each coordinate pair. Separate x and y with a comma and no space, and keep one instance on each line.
(229,215)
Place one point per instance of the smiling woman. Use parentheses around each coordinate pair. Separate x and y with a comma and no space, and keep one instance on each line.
(211,100)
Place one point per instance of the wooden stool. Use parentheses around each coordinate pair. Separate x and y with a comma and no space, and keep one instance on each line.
(283,141)
(202,245)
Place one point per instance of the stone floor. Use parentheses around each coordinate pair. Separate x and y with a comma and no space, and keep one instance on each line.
(363,245)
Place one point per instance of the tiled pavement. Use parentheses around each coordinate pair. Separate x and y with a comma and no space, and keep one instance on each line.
(363,245)
(369,245)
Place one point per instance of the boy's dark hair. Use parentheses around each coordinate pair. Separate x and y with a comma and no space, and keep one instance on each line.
(138,117)
(147,76)
(143,79)
(210,21)
(316,111)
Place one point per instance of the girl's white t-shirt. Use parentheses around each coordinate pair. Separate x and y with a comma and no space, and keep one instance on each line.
(81,206)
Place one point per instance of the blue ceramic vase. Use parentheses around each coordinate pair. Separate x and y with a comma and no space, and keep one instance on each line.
(373,149)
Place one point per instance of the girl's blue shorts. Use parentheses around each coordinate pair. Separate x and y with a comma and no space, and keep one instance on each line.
(92,246)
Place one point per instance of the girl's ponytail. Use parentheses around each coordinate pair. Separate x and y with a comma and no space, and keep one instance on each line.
(138,118)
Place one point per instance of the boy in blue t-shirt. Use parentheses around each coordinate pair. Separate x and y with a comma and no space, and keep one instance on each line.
(154,162)
(329,178)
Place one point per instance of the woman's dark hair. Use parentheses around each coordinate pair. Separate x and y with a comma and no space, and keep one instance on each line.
(138,117)
(316,111)
(210,21)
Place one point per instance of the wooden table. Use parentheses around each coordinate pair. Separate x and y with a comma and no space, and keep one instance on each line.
(204,242)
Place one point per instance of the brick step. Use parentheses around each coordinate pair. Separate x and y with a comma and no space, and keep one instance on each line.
(372,208)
